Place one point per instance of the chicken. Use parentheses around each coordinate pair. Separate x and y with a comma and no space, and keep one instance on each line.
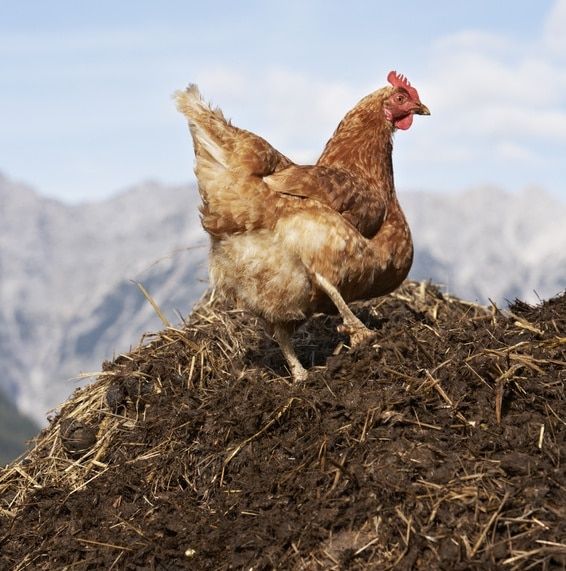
(290,240)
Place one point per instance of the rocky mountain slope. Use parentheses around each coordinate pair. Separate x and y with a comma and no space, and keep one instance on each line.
(489,244)
(68,300)
(66,282)
(15,430)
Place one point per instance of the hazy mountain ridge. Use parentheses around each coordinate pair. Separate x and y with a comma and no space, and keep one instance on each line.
(66,296)
(490,244)
(68,302)
(15,429)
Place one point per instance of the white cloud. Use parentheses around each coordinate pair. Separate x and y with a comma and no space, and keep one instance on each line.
(467,80)
(520,122)
(476,41)
(509,150)
(499,102)
(221,82)
(83,41)
(299,105)
(294,111)
(555,29)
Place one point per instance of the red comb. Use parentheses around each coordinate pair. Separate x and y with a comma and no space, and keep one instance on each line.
(398,80)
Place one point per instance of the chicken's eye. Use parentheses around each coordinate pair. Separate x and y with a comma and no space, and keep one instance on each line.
(400,98)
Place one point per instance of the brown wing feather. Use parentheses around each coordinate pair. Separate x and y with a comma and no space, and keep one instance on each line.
(253,155)
(361,204)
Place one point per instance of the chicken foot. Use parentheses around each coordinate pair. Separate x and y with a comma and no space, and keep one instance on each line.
(283,338)
(352,326)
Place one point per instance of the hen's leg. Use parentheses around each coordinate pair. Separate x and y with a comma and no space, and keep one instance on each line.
(352,326)
(283,337)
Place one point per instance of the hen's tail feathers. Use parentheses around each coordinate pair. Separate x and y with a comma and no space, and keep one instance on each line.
(209,128)
(230,164)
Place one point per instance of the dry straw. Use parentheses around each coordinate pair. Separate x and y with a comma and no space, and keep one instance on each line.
(111,426)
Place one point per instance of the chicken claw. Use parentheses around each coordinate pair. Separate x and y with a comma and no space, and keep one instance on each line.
(352,326)
(358,335)
(282,336)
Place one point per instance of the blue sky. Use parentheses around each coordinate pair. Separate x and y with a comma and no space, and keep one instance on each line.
(85,88)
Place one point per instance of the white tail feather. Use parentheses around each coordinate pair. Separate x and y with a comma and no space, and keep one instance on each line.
(190,103)
(210,146)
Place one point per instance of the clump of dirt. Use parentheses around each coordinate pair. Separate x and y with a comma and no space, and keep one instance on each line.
(442,447)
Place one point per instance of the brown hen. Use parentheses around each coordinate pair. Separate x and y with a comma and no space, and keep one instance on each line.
(288,240)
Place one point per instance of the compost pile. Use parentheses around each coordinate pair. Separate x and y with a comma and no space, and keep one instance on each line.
(443,447)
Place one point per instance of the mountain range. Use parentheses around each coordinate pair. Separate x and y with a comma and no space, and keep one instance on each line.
(68,273)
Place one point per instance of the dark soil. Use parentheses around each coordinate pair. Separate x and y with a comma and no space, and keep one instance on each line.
(441,448)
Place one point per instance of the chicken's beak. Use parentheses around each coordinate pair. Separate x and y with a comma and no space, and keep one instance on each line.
(421,109)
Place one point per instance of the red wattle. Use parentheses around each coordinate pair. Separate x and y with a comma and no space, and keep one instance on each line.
(404,123)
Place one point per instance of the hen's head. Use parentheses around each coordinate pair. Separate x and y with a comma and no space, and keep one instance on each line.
(401,102)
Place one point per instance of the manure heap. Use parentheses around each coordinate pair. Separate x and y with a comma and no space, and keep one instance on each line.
(441,448)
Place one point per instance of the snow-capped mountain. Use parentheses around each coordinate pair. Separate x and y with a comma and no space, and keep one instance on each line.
(489,244)
(68,298)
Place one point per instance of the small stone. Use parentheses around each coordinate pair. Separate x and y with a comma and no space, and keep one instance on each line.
(77,437)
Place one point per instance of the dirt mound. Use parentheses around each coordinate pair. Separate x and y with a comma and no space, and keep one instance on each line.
(441,448)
